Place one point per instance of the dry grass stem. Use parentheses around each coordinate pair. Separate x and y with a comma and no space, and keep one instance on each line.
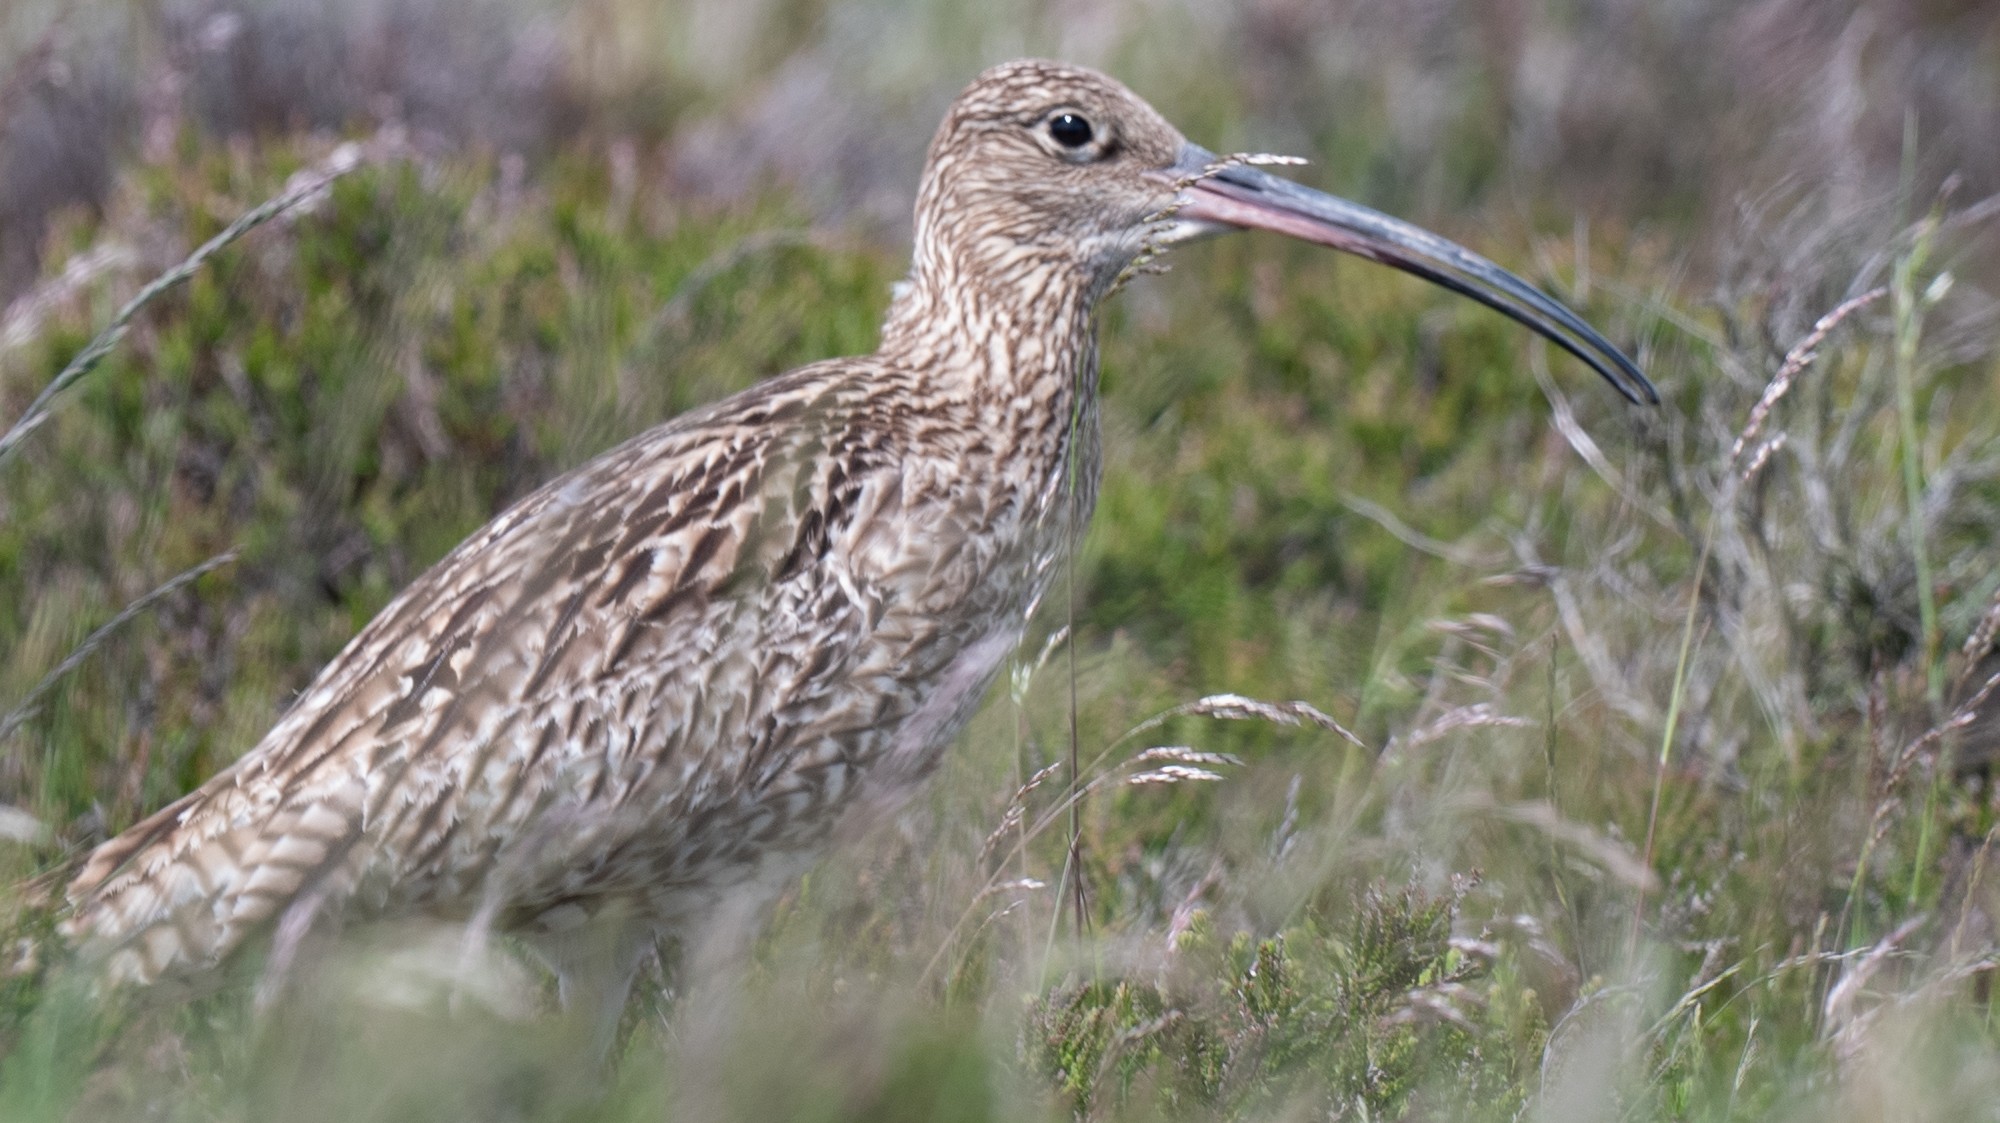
(29,311)
(1478,715)
(304,189)
(1171,774)
(1796,360)
(1235,707)
(28,705)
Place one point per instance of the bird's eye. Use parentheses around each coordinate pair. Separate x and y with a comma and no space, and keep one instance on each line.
(1071,130)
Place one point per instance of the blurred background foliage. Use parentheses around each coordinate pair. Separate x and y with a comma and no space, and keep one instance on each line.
(1671,800)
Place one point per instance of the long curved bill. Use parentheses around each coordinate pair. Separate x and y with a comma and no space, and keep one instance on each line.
(1218,195)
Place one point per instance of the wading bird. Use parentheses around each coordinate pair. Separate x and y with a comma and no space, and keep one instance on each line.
(667,677)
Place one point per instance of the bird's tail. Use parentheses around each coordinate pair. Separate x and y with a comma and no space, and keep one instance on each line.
(181,890)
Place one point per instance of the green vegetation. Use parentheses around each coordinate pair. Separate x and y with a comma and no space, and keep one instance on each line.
(1670,801)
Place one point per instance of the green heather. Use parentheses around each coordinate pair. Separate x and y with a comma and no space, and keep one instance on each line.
(1670,799)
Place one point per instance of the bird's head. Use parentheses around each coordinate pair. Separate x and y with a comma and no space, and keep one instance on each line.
(1052,179)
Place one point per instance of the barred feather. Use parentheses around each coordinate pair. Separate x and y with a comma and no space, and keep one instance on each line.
(691,658)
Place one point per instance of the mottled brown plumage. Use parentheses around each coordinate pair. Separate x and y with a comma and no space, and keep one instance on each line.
(674,672)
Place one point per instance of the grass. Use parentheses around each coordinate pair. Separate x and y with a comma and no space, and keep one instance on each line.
(1665,795)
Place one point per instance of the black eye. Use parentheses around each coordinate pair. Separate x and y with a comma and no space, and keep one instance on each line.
(1070,130)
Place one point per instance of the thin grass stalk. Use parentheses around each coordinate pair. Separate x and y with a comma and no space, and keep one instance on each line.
(1668,730)
(1072,861)
(1909,326)
(1922,856)
(1075,860)
(1549,743)
(1909,321)
(1876,827)
(30,704)
(86,360)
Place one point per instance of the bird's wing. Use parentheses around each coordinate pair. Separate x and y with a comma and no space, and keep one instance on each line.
(509,669)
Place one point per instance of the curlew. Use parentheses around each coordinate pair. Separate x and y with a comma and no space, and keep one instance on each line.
(668,676)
